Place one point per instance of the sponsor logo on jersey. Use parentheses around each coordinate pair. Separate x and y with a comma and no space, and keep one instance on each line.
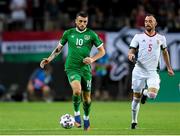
(86,37)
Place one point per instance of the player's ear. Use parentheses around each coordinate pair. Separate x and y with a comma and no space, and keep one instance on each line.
(156,23)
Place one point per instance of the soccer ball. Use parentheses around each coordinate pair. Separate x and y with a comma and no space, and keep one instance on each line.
(67,121)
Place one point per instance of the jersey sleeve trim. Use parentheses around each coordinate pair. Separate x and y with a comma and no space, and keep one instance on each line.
(59,44)
(100,45)
(163,48)
(132,47)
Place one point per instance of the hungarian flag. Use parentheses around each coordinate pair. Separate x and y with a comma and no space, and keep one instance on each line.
(28,46)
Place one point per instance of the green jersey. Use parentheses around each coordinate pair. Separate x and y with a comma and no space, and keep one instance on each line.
(79,47)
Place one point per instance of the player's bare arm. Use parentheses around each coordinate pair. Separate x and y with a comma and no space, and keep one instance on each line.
(131,54)
(55,53)
(101,53)
(167,61)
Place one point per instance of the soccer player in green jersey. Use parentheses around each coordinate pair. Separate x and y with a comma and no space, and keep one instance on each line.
(80,41)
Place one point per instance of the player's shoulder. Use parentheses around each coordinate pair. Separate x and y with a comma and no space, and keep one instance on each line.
(138,35)
(70,30)
(160,35)
(90,31)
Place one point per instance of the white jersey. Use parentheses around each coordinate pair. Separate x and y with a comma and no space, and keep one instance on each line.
(149,48)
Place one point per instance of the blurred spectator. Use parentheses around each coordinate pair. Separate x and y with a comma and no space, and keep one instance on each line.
(97,19)
(39,87)
(111,15)
(132,18)
(18,14)
(162,18)
(140,16)
(177,20)
(3,14)
(51,15)
(1,56)
(37,14)
(12,93)
(101,78)
(148,6)
(170,20)
(2,22)
(2,90)
(84,6)
(72,7)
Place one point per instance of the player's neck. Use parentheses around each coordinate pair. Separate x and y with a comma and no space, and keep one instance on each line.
(150,33)
(80,31)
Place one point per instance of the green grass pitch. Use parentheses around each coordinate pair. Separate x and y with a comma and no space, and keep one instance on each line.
(107,118)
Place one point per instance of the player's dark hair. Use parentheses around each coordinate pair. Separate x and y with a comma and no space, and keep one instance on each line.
(82,14)
(147,15)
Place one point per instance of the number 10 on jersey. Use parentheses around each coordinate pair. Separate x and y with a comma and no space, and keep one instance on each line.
(79,42)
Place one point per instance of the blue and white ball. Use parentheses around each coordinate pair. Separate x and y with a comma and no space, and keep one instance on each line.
(67,121)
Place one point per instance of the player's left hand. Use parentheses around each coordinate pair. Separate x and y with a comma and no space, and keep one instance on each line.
(88,60)
(44,62)
(170,72)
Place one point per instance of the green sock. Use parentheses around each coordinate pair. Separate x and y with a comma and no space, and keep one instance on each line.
(76,102)
(86,106)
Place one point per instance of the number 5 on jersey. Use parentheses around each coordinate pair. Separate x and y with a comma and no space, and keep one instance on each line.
(150,47)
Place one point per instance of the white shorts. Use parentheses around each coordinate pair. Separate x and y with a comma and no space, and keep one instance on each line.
(141,78)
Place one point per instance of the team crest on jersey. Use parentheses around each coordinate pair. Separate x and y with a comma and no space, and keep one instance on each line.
(86,37)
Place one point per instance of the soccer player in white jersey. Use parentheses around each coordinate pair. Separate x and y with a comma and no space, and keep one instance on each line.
(148,46)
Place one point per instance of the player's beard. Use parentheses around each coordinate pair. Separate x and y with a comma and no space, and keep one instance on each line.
(81,28)
(148,28)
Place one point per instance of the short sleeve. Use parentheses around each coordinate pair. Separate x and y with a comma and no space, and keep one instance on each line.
(97,41)
(134,43)
(64,38)
(164,44)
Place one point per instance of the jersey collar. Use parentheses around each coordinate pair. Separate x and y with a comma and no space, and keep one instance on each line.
(80,31)
(150,35)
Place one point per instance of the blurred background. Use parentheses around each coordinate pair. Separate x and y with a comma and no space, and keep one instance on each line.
(30,30)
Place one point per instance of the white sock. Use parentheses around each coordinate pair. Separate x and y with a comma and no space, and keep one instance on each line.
(76,113)
(135,110)
(145,92)
(86,117)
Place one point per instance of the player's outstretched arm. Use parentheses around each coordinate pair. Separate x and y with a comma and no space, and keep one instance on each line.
(55,53)
(167,61)
(101,53)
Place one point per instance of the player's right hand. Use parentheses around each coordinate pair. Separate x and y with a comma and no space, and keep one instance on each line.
(44,62)
(170,72)
(131,57)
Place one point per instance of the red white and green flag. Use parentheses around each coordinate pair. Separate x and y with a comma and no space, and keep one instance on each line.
(28,46)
